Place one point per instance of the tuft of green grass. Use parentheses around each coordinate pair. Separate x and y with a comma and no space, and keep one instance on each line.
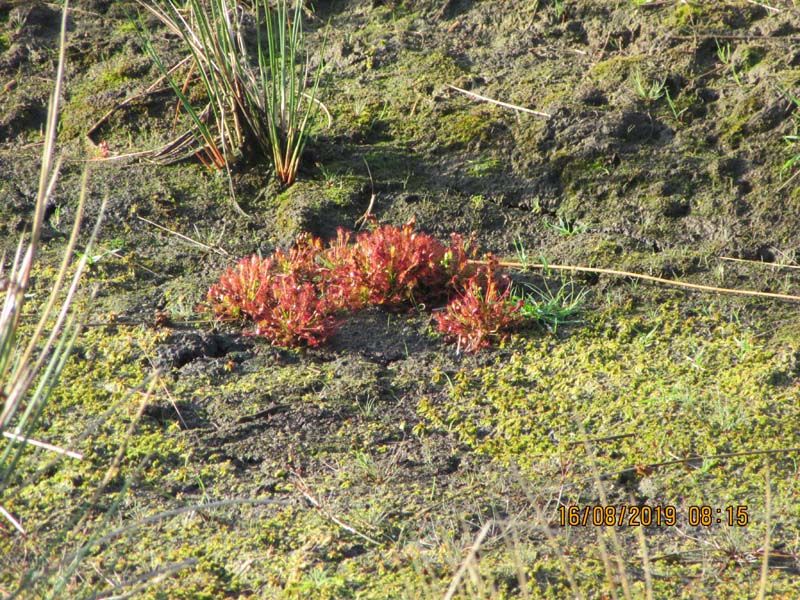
(671,103)
(725,56)
(565,227)
(791,140)
(649,91)
(559,10)
(550,307)
(270,106)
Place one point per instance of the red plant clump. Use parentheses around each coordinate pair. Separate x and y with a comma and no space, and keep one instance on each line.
(293,297)
(302,259)
(483,312)
(395,266)
(456,262)
(282,295)
(295,313)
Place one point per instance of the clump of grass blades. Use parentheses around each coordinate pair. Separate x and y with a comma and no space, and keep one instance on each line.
(649,91)
(213,38)
(285,74)
(31,365)
(552,308)
(271,105)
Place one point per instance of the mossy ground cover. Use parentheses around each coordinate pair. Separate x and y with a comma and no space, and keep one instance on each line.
(644,390)
(386,452)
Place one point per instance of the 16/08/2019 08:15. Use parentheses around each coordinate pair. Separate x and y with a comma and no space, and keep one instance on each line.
(624,515)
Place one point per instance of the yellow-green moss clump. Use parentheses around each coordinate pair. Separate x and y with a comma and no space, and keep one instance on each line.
(685,14)
(615,69)
(459,130)
(648,391)
(680,385)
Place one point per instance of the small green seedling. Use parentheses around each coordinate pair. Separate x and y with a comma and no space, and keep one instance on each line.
(675,112)
(725,56)
(566,227)
(551,308)
(649,91)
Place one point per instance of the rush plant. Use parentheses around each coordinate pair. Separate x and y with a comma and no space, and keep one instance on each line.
(212,34)
(268,100)
(287,98)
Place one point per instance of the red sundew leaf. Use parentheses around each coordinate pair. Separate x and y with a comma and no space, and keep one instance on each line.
(240,290)
(302,260)
(481,313)
(456,261)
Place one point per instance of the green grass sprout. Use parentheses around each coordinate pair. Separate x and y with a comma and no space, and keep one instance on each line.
(551,307)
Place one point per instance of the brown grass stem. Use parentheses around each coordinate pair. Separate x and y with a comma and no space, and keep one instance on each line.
(642,276)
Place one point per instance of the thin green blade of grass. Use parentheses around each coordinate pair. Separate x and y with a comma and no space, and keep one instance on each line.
(202,133)
(36,363)
(303,131)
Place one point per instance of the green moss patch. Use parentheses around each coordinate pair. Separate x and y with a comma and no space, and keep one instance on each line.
(682,385)
(103,87)
(673,403)
(318,206)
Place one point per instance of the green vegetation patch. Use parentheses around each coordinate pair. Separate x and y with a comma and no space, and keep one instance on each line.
(103,86)
(647,391)
(317,206)
(679,385)
(615,69)
(459,130)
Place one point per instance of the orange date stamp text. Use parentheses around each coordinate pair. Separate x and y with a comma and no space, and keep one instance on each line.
(656,515)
